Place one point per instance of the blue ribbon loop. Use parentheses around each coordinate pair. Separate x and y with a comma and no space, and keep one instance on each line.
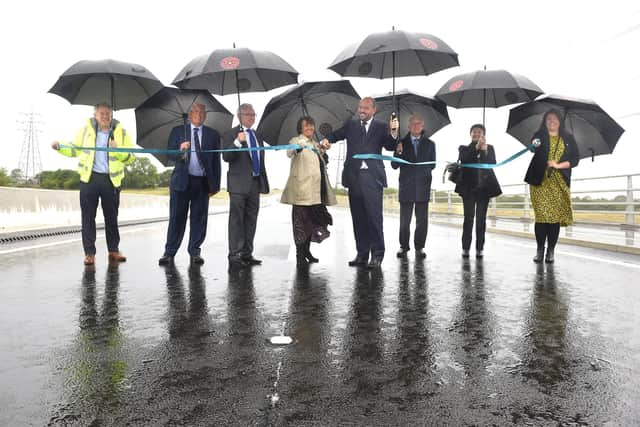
(464,165)
(166,151)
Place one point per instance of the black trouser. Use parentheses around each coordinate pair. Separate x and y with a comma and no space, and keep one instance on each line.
(365,203)
(195,199)
(547,231)
(243,219)
(474,206)
(422,224)
(99,187)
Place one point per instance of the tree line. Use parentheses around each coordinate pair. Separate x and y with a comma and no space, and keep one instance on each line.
(140,174)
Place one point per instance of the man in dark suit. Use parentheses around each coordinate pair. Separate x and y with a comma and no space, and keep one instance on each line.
(414,185)
(365,179)
(246,179)
(195,178)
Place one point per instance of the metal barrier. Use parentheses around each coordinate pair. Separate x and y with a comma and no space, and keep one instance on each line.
(616,210)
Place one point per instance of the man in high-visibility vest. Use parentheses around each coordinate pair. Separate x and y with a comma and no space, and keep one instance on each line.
(101,174)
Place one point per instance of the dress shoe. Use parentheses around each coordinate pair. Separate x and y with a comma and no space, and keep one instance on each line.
(375,264)
(89,259)
(539,255)
(420,254)
(402,253)
(197,260)
(479,254)
(165,260)
(550,256)
(236,261)
(250,260)
(116,257)
(358,262)
(465,253)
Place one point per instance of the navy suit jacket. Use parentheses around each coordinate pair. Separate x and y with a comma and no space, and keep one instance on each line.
(414,184)
(211,161)
(377,137)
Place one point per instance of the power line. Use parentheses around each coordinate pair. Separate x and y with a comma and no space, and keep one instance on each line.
(30,162)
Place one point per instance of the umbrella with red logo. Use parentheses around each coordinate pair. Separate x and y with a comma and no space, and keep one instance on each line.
(487,88)
(395,53)
(236,70)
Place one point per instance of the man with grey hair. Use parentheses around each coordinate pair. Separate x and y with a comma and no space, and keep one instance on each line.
(414,186)
(246,180)
(195,177)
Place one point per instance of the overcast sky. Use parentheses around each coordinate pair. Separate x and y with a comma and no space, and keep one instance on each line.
(580,49)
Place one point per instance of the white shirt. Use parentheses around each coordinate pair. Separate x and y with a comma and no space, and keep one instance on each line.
(366,126)
(194,165)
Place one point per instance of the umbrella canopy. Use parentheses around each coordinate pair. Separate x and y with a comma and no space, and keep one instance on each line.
(329,103)
(594,130)
(395,53)
(433,111)
(236,70)
(122,84)
(169,108)
(487,88)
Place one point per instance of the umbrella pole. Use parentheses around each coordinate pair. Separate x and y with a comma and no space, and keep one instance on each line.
(237,87)
(393,96)
(484,103)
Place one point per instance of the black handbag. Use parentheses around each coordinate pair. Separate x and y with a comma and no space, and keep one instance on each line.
(455,172)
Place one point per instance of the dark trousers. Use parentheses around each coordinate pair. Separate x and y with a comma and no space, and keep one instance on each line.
(474,206)
(365,203)
(99,187)
(243,218)
(196,199)
(422,224)
(549,232)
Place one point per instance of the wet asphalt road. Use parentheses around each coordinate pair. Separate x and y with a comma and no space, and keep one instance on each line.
(436,342)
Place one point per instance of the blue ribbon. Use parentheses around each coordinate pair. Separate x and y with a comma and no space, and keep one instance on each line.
(391,159)
(166,151)
(464,165)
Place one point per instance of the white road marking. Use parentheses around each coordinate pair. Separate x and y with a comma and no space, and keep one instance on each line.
(63,242)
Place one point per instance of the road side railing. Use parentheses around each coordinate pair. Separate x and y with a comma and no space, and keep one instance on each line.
(606,206)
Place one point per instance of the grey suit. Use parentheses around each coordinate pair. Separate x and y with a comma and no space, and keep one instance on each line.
(244,195)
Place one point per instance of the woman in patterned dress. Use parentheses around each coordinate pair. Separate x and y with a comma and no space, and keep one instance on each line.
(309,191)
(549,176)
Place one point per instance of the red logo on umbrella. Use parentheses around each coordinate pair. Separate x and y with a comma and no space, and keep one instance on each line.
(456,85)
(429,44)
(230,62)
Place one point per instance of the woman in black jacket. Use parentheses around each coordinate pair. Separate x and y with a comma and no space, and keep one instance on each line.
(476,188)
(549,176)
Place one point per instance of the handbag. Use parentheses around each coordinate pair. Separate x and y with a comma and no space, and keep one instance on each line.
(455,172)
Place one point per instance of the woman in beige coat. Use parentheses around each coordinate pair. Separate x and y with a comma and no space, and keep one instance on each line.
(309,191)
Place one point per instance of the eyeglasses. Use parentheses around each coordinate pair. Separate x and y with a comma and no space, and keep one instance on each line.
(248,114)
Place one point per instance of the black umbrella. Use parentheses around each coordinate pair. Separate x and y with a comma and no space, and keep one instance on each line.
(394,54)
(236,70)
(169,108)
(594,130)
(122,84)
(487,88)
(433,111)
(329,103)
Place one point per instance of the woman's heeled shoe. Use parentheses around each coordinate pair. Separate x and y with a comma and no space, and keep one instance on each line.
(308,255)
(301,259)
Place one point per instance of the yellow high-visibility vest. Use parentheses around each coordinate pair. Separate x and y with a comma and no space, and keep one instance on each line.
(86,137)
